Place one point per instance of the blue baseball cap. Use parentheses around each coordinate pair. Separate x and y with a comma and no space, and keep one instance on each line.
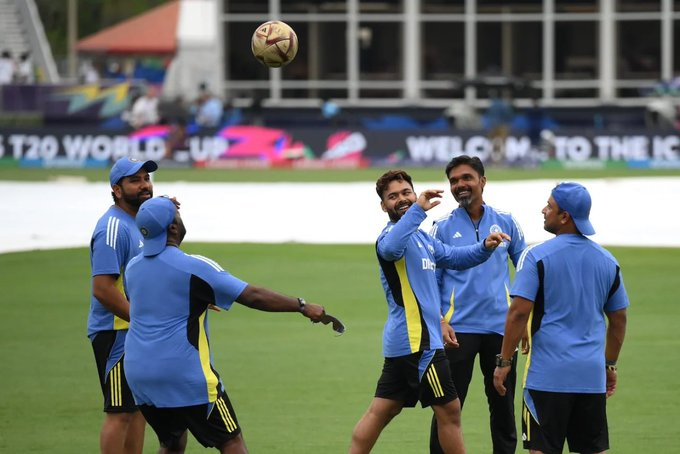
(575,200)
(126,166)
(153,219)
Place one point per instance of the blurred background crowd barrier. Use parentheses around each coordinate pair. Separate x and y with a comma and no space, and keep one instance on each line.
(374,83)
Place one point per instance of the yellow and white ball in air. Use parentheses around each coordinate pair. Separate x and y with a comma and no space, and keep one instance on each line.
(274,44)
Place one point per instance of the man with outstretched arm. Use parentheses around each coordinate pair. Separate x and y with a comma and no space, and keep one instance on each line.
(415,367)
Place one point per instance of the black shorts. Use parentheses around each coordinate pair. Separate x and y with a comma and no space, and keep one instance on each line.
(548,418)
(423,376)
(108,347)
(212,424)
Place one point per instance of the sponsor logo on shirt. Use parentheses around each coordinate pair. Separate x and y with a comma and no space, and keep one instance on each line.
(457,235)
(428,264)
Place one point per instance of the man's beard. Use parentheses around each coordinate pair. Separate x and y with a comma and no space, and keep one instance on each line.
(137,200)
(182,232)
(464,202)
(394,214)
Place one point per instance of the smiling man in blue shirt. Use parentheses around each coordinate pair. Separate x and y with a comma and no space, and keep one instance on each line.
(475,301)
(415,367)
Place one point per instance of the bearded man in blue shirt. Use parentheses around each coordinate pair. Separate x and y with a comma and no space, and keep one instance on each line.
(475,301)
(415,366)
(570,291)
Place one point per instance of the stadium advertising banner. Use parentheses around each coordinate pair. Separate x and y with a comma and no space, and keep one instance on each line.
(256,146)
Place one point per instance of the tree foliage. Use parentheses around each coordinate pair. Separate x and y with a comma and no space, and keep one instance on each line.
(93,16)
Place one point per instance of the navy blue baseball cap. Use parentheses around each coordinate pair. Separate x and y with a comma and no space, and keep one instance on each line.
(575,200)
(126,166)
(153,219)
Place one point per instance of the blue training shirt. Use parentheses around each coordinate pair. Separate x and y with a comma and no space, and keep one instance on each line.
(572,282)
(115,241)
(408,259)
(167,351)
(476,300)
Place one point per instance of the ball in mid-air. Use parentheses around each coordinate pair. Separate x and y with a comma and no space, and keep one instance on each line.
(274,44)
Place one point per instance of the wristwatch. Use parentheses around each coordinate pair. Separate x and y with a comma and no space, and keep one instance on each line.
(610,365)
(500,362)
(302,303)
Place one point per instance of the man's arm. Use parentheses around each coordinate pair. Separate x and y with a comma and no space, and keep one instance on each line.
(392,244)
(616,331)
(263,299)
(515,327)
(463,257)
(105,290)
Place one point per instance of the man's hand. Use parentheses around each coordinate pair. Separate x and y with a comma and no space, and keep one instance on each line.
(525,341)
(450,340)
(499,376)
(495,239)
(611,382)
(314,312)
(425,198)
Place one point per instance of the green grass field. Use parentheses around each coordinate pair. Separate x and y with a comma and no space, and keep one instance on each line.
(296,387)
(13,173)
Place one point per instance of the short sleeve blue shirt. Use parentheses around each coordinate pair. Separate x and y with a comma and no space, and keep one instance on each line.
(572,282)
(167,350)
(115,241)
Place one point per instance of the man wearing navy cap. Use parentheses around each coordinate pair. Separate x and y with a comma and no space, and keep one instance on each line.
(167,351)
(115,241)
(564,288)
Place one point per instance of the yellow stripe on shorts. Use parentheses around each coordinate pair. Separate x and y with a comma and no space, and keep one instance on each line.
(527,422)
(114,381)
(434,382)
(226,416)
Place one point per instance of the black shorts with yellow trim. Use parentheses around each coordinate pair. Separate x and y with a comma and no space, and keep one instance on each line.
(108,347)
(423,376)
(548,418)
(212,424)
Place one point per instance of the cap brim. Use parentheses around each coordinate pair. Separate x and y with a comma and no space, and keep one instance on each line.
(584,226)
(149,166)
(155,245)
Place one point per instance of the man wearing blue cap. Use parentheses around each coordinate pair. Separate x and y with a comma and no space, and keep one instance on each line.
(167,351)
(115,241)
(564,288)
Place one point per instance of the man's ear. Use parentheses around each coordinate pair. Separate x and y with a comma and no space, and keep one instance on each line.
(117,191)
(382,205)
(565,218)
(482,182)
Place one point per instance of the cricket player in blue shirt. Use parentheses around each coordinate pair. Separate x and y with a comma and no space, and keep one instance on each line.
(570,291)
(415,367)
(115,241)
(168,360)
(475,301)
